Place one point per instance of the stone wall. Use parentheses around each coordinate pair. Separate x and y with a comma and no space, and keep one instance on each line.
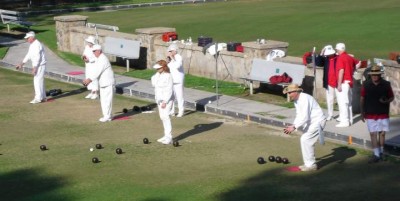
(71,32)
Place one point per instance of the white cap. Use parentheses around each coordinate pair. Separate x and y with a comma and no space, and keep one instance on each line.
(96,47)
(328,50)
(173,47)
(29,34)
(340,47)
(157,66)
(90,39)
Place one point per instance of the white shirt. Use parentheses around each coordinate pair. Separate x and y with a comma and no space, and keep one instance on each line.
(35,54)
(103,71)
(176,68)
(162,83)
(308,111)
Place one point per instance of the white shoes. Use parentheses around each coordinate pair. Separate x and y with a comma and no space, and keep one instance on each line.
(342,125)
(161,139)
(165,140)
(104,119)
(34,101)
(305,168)
(179,115)
(89,96)
(94,96)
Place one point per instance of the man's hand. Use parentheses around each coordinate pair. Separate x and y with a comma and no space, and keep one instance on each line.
(19,66)
(163,105)
(339,87)
(34,71)
(86,81)
(289,129)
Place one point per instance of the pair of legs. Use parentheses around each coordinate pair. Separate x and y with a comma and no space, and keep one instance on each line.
(178,94)
(166,121)
(307,142)
(377,129)
(38,84)
(344,99)
(106,101)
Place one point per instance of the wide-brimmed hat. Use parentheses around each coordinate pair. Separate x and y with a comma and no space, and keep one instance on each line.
(292,88)
(173,47)
(96,47)
(375,70)
(328,50)
(157,66)
(90,39)
(29,34)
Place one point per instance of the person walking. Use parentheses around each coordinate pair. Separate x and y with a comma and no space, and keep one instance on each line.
(310,115)
(162,82)
(105,75)
(345,65)
(376,95)
(89,59)
(329,77)
(37,56)
(175,64)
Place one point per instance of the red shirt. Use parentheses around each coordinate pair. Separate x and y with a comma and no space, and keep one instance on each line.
(346,62)
(332,80)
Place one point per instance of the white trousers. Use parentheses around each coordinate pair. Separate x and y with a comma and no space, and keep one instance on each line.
(307,142)
(38,83)
(178,94)
(165,118)
(90,69)
(106,100)
(330,99)
(344,99)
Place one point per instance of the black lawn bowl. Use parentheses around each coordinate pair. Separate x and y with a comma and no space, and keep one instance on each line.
(148,108)
(285,160)
(271,158)
(43,147)
(278,159)
(99,146)
(176,143)
(118,151)
(145,141)
(260,160)
(136,108)
(95,160)
(125,110)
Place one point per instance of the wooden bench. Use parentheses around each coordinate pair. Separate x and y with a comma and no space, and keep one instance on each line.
(13,17)
(262,70)
(102,26)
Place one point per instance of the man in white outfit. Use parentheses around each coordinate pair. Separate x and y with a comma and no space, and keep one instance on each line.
(90,68)
(162,83)
(38,59)
(178,76)
(105,75)
(310,115)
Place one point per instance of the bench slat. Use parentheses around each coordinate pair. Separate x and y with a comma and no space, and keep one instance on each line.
(13,17)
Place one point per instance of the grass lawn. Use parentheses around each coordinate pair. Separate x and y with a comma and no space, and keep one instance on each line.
(216,160)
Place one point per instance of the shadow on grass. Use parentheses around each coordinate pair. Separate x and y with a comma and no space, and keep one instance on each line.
(337,180)
(31,184)
(199,128)
(69,93)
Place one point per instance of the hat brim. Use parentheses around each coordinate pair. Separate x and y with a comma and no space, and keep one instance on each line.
(286,90)
(157,66)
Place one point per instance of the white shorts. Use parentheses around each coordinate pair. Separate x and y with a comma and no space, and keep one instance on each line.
(378,125)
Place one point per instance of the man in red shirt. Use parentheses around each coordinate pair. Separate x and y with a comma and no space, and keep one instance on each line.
(376,95)
(345,65)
